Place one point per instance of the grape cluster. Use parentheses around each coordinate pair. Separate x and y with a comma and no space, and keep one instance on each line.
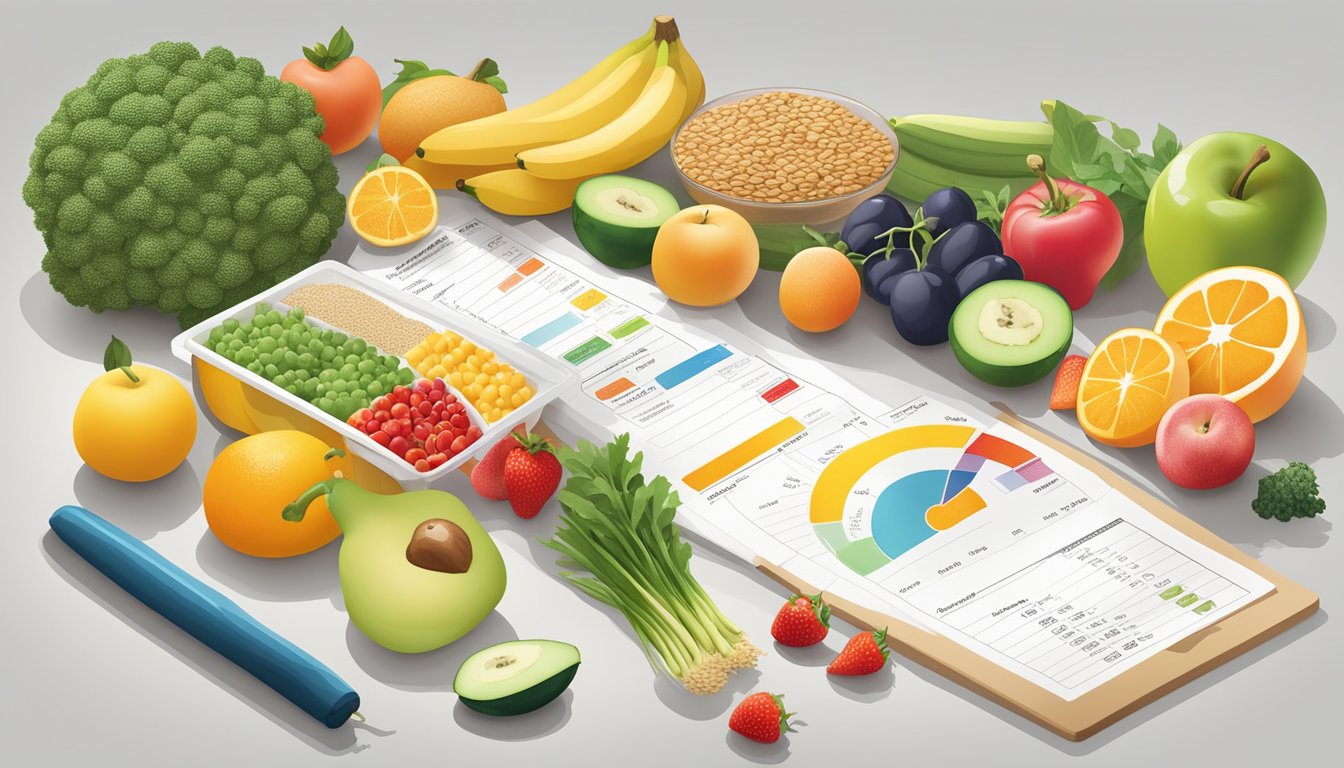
(337,373)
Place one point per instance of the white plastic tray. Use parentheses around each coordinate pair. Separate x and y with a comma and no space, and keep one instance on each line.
(548,378)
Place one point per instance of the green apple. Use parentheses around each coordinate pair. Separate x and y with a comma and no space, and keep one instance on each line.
(1233,199)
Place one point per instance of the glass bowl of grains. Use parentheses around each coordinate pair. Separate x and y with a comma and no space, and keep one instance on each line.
(785,155)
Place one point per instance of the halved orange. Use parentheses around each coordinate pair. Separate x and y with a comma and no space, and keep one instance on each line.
(1129,382)
(1242,331)
(393,205)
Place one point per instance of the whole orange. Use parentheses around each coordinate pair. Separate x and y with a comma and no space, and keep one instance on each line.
(819,289)
(424,106)
(705,255)
(251,481)
(135,430)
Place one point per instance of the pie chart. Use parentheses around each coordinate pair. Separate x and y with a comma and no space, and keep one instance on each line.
(883,497)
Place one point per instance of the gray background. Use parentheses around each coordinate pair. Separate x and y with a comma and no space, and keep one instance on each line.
(91,677)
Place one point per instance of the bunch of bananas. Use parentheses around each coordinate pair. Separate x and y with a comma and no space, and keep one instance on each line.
(972,153)
(529,160)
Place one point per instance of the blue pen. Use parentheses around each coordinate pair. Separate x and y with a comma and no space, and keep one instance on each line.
(207,615)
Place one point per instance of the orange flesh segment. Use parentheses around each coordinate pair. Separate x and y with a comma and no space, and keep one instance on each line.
(393,204)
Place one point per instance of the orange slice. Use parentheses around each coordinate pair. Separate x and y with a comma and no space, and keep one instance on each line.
(1129,382)
(393,205)
(1242,331)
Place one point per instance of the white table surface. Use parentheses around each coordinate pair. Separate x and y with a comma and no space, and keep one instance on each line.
(92,677)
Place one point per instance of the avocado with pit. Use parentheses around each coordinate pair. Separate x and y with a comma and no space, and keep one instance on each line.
(617,218)
(1011,333)
(517,676)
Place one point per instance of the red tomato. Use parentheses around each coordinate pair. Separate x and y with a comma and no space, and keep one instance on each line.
(1069,250)
(349,98)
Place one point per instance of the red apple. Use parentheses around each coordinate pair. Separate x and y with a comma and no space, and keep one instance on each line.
(1204,441)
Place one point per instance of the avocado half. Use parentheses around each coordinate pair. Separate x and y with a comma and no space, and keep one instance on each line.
(616,218)
(516,677)
(1011,333)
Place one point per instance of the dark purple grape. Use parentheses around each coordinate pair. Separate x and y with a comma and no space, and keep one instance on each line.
(874,216)
(951,206)
(987,269)
(879,268)
(963,244)
(922,304)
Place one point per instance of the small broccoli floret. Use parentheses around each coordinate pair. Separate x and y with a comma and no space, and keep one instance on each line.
(181,181)
(1291,492)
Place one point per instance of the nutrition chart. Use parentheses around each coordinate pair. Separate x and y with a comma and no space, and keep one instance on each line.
(973,531)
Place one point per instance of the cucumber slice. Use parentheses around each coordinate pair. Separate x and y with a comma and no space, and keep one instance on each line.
(617,217)
(516,677)
(1011,332)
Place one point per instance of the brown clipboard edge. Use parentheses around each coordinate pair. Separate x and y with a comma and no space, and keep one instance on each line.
(1077,720)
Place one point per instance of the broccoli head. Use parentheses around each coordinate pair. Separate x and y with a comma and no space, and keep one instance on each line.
(182,182)
(1291,492)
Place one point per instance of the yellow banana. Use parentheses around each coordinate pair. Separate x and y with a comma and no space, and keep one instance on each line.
(576,87)
(516,192)
(681,61)
(480,144)
(442,176)
(632,137)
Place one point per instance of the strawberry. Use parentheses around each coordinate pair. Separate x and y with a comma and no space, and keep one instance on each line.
(802,621)
(864,654)
(761,717)
(487,477)
(531,475)
(1065,394)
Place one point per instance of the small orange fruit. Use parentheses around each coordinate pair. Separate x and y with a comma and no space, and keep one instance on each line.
(819,289)
(424,106)
(251,481)
(392,206)
(1241,329)
(1129,382)
(138,430)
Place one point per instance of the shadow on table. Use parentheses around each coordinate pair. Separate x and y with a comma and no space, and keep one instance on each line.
(142,509)
(163,633)
(763,754)
(275,579)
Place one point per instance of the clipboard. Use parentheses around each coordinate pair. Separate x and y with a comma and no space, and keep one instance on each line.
(1124,694)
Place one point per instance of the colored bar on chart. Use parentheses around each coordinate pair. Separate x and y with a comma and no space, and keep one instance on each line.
(510,281)
(1204,607)
(1034,470)
(588,299)
(538,336)
(957,479)
(1171,592)
(531,265)
(587,349)
(743,453)
(779,390)
(1010,481)
(695,364)
(1187,600)
(998,450)
(940,517)
(608,391)
(629,327)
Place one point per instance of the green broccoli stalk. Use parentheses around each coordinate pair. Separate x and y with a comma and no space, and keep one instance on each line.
(182,182)
(1291,492)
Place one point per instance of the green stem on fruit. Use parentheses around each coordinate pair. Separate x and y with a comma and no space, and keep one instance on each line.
(463,186)
(1239,188)
(126,369)
(295,510)
(1059,202)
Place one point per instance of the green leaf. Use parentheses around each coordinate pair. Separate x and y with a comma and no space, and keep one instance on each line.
(989,206)
(1165,146)
(117,355)
(495,82)
(341,47)
(383,160)
(487,68)
(1125,138)
(328,56)
(1132,252)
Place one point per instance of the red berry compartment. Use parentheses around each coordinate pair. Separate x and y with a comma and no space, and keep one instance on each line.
(425,425)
